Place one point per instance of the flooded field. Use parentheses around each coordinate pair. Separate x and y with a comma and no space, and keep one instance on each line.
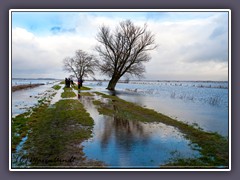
(16,82)
(133,144)
(22,100)
(204,104)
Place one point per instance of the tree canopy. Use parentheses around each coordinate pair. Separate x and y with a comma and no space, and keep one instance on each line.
(81,65)
(124,50)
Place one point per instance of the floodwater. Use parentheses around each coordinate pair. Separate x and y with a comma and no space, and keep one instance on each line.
(24,99)
(202,103)
(120,143)
(209,118)
(16,82)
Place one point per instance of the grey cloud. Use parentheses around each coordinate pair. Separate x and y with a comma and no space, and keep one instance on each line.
(204,52)
(212,48)
(221,27)
(218,32)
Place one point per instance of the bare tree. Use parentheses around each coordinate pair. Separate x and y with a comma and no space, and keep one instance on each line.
(124,50)
(81,65)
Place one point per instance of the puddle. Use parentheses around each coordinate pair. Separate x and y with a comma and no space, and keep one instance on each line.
(17,157)
(130,144)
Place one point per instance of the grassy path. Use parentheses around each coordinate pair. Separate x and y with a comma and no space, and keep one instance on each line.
(54,134)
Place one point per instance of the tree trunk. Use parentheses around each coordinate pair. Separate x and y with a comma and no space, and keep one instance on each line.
(112,83)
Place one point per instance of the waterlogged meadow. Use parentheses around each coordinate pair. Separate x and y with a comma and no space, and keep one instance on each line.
(93,128)
(203,104)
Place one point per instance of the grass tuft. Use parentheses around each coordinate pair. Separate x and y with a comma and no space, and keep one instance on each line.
(68,93)
(82,88)
(56,87)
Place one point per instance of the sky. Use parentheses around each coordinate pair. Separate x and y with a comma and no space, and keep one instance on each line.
(191,45)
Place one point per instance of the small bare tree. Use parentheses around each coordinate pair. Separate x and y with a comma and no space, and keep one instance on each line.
(81,65)
(124,50)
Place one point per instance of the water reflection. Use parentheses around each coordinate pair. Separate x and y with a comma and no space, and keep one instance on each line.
(125,133)
(79,95)
(122,143)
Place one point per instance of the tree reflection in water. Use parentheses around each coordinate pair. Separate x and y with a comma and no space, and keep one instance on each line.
(120,142)
(125,132)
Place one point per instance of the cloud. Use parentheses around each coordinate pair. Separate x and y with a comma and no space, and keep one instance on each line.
(36,54)
(218,31)
(192,47)
(188,50)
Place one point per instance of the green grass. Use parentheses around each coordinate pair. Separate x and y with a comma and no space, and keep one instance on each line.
(56,133)
(99,93)
(97,102)
(82,88)
(56,87)
(86,94)
(20,126)
(85,88)
(213,147)
(68,93)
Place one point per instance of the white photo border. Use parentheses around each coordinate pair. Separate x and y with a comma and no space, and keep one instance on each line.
(120,10)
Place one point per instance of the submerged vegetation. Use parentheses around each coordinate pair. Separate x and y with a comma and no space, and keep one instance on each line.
(212,146)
